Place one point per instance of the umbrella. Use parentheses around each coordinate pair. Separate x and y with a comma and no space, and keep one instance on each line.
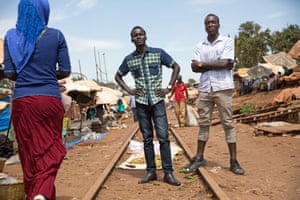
(282,59)
(91,84)
(275,69)
(259,71)
(82,94)
(108,96)
(76,87)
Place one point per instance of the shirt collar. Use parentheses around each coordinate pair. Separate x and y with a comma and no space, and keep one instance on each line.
(135,53)
(220,38)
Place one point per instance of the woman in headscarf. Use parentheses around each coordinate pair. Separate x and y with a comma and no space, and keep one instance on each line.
(36,57)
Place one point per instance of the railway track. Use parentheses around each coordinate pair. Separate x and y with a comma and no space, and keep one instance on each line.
(96,189)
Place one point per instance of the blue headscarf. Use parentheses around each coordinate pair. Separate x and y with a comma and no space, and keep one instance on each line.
(33,16)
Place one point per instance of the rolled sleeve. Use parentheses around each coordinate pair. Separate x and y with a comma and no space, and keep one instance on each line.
(123,69)
(166,59)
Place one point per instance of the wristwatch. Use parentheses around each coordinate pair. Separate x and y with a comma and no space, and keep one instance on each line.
(169,87)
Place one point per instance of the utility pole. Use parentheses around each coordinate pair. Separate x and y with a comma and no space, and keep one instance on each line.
(100,67)
(97,77)
(80,70)
(105,66)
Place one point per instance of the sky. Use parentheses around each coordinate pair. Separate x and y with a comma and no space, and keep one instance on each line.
(99,30)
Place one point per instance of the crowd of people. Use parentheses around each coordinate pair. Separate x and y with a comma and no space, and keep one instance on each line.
(247,85)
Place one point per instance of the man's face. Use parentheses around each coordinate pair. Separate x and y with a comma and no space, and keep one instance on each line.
(212,25)
(138,37)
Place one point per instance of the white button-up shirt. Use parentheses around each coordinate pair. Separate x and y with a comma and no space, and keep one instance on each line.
(215,80)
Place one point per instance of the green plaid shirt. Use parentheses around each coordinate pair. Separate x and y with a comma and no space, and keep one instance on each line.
(147,72)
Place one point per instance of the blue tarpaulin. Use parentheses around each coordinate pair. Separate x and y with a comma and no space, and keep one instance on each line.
(5,116)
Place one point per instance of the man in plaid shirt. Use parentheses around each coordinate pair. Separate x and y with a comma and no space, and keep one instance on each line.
(145,65)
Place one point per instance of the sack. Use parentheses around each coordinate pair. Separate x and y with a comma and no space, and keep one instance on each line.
(191,119)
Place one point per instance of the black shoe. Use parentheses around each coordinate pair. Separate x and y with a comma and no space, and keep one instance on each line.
(236,168)
(170,179)
(196,163)
(150,176)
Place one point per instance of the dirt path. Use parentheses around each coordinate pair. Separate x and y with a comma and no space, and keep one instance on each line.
(272,165)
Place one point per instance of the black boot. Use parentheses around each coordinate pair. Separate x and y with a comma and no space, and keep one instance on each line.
(198,160)
(170,179)
(150,176)
(236,168)
(234,165)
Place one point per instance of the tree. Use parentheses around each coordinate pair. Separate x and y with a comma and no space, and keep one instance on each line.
(284,40)
(251,44)
(191,82)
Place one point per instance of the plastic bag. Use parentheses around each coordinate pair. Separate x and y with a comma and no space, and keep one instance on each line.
(191,119)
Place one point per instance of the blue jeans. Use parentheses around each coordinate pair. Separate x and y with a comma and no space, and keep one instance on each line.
(157,114)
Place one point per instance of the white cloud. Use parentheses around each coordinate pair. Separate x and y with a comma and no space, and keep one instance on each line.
(82,4)
(71,9)
(86,4)
(275,15)
(193,2)
(82,44)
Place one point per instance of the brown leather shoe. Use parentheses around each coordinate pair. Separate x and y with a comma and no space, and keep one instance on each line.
(170,179)
(150,176)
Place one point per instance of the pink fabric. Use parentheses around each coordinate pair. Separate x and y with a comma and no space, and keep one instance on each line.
(37,122)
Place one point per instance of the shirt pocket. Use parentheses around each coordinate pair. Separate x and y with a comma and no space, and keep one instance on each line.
(153,68)
(137,72)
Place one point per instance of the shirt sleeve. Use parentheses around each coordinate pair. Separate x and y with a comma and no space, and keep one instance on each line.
(123,69)
(166,59)
(63,54)
(9,67)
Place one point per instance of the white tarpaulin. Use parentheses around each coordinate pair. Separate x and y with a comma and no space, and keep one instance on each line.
(281,59)
(137,159)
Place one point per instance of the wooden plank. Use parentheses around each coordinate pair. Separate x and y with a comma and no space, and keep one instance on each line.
(280,129)
(269,115)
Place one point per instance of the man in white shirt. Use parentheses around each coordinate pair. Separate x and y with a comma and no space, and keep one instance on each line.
(214,60)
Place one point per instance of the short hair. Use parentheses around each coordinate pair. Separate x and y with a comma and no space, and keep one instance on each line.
(212,15)
(137,27)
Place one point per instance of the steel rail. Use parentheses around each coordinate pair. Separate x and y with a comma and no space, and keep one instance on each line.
(203,172)
(94,189)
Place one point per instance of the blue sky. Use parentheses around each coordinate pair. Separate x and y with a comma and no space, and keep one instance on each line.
(174,25)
